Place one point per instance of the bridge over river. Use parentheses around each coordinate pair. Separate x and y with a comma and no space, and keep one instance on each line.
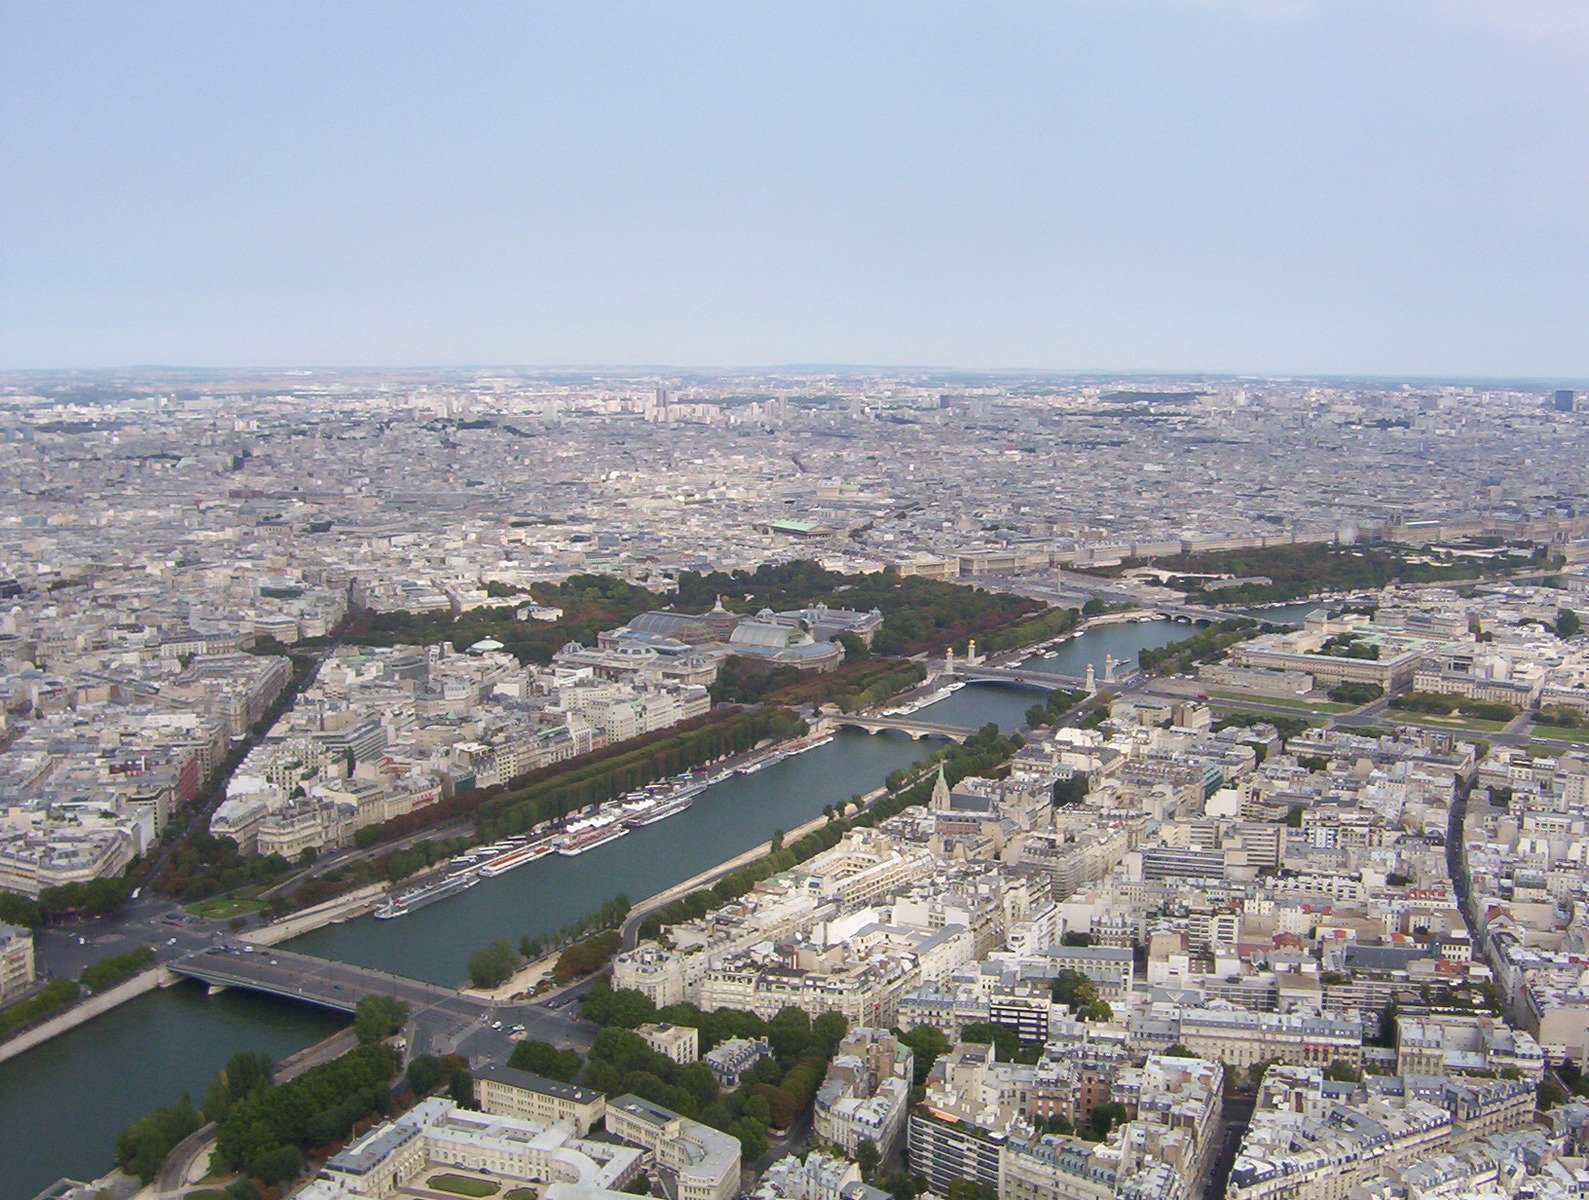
(916,729)
(442,1020)
(1053,681)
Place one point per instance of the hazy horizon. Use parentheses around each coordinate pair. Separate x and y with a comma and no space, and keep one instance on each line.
(1264,187)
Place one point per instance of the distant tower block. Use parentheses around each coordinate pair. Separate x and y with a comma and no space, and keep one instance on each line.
(1092,679)
(1108,668)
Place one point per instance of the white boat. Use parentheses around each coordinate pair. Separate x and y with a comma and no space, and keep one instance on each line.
(406,902)
(516,857)
(609,830)
(661,812)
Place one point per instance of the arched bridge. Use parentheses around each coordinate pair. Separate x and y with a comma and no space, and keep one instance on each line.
(916,729)
(442,1020)
(309,980)
(1042,679)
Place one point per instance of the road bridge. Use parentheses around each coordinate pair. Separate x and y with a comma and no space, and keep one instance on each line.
(916,729)
(442,1020)
(1032,678)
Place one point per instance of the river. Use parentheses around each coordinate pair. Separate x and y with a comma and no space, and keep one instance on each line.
(62,1104)
(727,819)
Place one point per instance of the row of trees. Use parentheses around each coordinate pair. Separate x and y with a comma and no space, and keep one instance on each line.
(981,752)
(1039,628)
(384,868)
(108,972)
(466,804)
(1435,703)
(264,1129)
(1049,710)
(1296,571)
(1203,646)
(94,898)
(494,963)
(610,915)
(58,993)
(520,809)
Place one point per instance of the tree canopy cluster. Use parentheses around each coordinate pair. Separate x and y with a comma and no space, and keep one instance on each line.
(1203,646)
(918,614)
(1433,702)
(773,1094)
(378,1017)
(205,865)
(610,915)
(493,964)
(858,682)
(590,604)
(264,1129)
(584,957)
(1304,569)
(518,809)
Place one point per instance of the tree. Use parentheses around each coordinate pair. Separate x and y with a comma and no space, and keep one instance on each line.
(378,1017)
(543,1058)
(1568,624)
(1073,989)
(493,965)
(827,1031)
(1343,1072)
(1178,1051)
(752,1139)
(1075,937)
(1104,1118)
(424,1075)
(243,1072)
(278,1165)
(927,1043)
(624,1007)
(867,1156)
(143,1145)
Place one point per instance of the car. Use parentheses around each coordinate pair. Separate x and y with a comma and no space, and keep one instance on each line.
(496,1024)
(171,941)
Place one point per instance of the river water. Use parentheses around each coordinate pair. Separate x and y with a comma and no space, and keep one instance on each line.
(62,1104)
(728,818)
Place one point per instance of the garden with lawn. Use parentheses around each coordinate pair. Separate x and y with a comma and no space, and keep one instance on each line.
(464,1185)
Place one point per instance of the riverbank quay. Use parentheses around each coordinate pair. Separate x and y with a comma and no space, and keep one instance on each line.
(328,912)
(85,1010)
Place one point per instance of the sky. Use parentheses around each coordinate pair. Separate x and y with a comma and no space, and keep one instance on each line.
(1265,186)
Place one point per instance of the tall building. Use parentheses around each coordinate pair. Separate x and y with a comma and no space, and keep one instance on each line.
(1564,399)
(16,959)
